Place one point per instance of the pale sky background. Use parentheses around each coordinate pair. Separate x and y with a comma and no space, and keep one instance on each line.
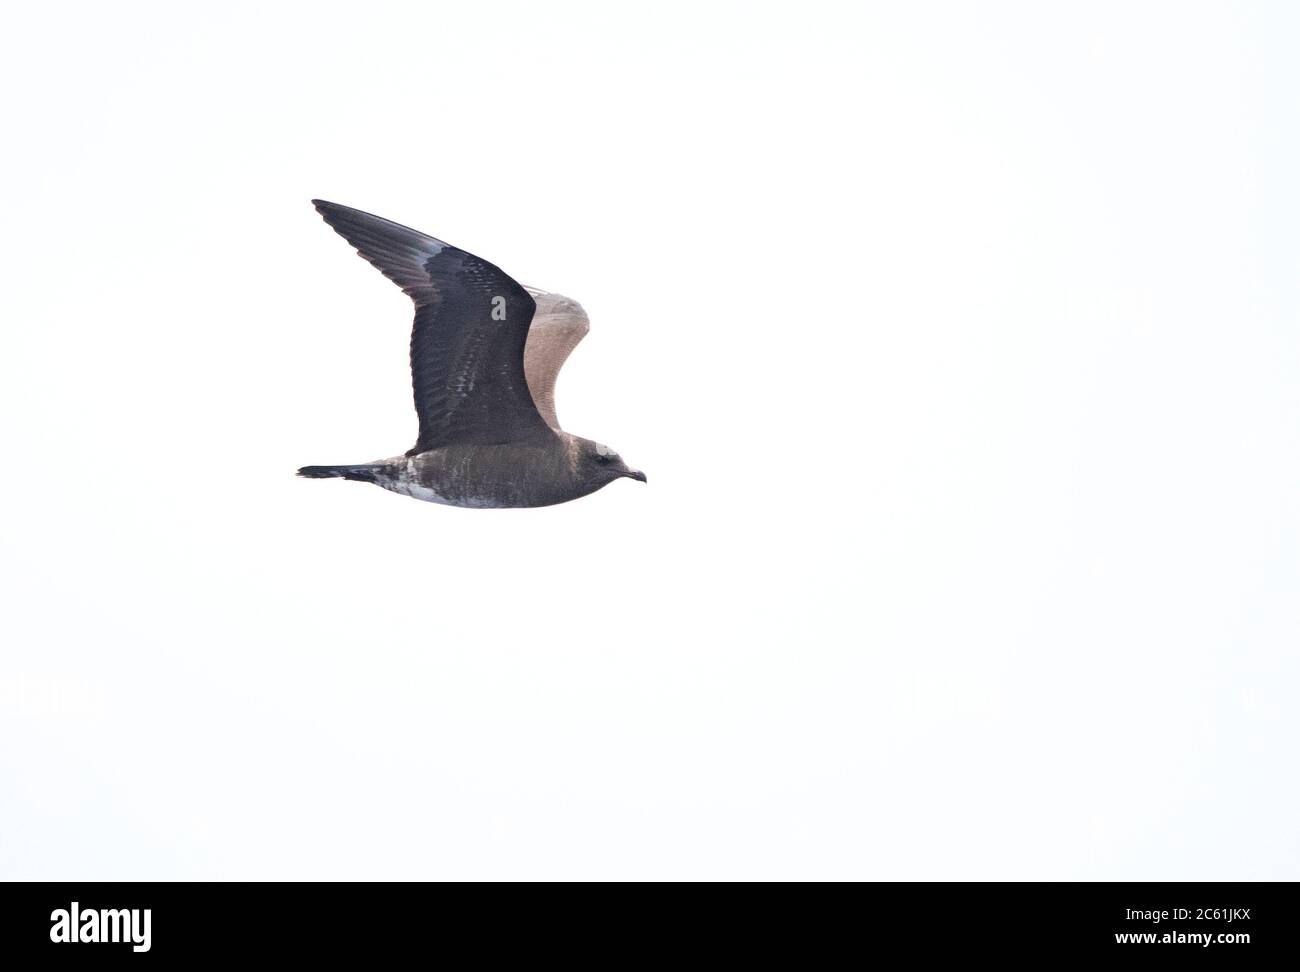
(959,342)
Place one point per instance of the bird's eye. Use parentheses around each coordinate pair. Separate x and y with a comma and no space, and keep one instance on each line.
(604,460)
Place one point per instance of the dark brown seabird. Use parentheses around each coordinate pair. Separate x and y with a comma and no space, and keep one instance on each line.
(485,352)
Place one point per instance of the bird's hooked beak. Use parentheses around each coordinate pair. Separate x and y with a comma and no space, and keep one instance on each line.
(636,474)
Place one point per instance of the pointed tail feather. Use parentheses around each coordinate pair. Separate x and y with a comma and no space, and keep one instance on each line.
(362,474)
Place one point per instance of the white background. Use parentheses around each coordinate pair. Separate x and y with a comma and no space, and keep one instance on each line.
(959,342)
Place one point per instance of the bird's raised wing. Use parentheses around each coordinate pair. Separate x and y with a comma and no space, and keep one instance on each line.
(467,345)
(558,326)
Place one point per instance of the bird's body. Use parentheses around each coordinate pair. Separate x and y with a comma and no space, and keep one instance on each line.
(485,352)
(512,474)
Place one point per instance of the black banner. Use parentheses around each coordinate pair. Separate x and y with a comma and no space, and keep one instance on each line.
(162,923)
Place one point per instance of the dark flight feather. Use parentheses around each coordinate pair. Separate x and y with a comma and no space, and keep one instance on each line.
(467,366)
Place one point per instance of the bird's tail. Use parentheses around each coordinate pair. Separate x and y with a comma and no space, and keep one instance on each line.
(362,474)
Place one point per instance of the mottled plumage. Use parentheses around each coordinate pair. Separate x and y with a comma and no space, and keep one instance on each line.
(485,352)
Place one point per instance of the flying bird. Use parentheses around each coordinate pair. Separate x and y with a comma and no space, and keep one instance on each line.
(485,353)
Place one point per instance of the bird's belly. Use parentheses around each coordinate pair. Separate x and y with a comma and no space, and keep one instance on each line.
(422,483)
(481,477)
(418,491)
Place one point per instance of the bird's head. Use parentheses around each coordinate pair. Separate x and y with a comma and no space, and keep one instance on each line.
(600,463)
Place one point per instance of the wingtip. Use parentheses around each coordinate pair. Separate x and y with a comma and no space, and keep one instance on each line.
(333,212)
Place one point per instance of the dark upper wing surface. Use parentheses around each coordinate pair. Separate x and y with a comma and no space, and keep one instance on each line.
(467,345)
